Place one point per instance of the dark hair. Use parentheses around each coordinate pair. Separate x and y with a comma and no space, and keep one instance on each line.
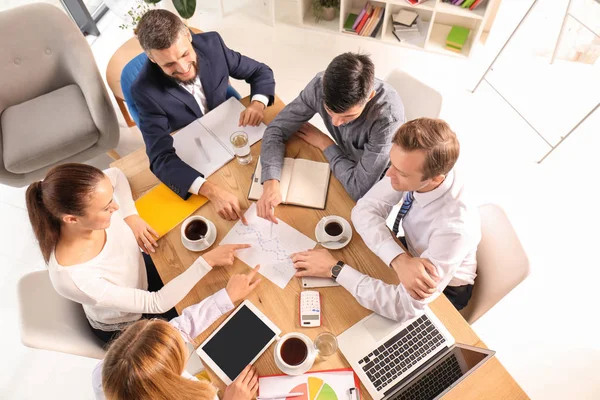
(436,139)
(65,190)
(159,30)
(348,81)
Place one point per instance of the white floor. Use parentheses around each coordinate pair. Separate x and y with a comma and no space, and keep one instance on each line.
(545,332)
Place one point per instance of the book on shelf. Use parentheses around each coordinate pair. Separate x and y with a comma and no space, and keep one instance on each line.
(366,16)
(404,17)
(359,17)
(475,4)
(372,23)
(457,37)
(413,28)
(349,23)
(302,182)
(467,3)
(415,33)
(378,27)
(415,2)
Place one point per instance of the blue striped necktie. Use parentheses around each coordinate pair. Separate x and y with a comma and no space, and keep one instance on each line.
(408,200)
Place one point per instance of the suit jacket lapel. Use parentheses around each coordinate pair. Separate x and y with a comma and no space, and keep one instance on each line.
(185,97)
(206,78)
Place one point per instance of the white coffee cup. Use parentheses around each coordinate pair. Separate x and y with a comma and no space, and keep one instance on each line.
(305,364)
(333,236)
(196,239)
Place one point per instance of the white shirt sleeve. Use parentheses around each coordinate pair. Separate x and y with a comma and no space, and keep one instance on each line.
(196,185)
(108,295)
(195,319)
(447,250)
(122,191)
(369,218)
(262,98)
(391,301)
(191,323)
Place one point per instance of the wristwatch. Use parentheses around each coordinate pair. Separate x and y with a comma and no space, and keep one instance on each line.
(336,269)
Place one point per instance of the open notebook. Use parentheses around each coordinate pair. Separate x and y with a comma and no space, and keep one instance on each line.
(204,144)
(303,182)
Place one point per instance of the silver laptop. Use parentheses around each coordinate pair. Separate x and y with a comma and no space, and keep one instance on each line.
(414,360)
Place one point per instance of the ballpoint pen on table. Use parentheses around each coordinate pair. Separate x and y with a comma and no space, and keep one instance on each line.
(280,396)
(353,393)
(202,149)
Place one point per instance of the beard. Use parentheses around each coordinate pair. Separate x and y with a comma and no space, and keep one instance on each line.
(174,78)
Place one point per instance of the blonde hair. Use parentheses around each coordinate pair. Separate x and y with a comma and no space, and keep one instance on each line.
(435,138)
(146,362)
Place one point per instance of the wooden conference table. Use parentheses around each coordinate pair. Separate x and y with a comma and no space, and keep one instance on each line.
(339,309)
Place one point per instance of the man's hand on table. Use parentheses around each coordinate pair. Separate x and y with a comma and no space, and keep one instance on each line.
(225,202)
(313,263)
(223,255)
(271,198)
(418,275)
(313,136)
(253,115)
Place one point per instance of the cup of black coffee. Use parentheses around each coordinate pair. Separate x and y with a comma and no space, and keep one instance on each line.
(195,232)
(295,353)
(333,228)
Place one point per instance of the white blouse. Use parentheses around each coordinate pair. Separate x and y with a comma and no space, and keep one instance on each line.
(192,322)
(113,287)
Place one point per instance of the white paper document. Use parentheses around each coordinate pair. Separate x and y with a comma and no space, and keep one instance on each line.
(271,251)
(204,144)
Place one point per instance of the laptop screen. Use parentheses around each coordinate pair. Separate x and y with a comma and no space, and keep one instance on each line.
(439,377)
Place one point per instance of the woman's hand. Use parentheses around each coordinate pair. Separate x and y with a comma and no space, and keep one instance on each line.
(244,387)
(224,255)
(144,234)
(240,285)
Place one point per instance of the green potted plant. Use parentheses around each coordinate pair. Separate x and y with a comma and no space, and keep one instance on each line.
(325,9)
(185,9)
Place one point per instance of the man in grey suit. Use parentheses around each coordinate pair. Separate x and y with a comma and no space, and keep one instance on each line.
(361,113)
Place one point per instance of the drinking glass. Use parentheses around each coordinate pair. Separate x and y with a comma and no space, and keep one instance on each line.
(241,147)
(326,344)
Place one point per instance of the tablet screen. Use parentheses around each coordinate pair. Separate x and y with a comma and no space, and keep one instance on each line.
(236,344)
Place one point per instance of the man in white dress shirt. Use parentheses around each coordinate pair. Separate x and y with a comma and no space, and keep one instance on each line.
(441,227)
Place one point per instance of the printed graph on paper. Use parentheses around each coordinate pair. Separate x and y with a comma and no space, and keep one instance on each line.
(271,247)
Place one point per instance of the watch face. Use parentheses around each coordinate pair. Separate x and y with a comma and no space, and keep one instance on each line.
(335,271)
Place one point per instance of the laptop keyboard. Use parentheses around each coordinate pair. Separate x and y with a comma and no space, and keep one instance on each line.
(433,383)
(401,352)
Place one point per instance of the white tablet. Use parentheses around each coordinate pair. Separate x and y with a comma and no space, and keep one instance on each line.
(238,341)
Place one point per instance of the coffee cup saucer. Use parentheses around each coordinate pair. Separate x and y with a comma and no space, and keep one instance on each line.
(320,234)
(212,236)
(289,371)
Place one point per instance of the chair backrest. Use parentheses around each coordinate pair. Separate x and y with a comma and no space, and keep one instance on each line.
(52,322)
(131,71)
(501,262)
(419,100)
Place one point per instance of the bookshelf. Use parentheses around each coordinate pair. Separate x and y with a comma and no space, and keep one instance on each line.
(436,18)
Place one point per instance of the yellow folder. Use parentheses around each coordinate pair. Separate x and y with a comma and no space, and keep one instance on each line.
(163,210)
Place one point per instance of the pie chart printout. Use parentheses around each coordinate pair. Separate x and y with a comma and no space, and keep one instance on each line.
(320,385)
(315,389)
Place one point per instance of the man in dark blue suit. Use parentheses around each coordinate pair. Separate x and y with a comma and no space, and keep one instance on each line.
(187,76)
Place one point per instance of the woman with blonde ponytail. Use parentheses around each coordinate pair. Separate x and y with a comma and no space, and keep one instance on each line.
(90,235)
(147,361)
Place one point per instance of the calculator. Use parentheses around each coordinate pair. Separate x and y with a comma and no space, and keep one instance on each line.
(310,309)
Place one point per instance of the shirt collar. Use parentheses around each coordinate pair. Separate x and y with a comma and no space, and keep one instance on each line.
(425,198)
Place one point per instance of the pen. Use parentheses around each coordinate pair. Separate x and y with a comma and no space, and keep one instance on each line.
(199,144)
(280,396)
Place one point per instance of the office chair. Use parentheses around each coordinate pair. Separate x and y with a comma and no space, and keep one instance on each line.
(131,71)
(419,100)
(501,262)
(53,104)
(51,322)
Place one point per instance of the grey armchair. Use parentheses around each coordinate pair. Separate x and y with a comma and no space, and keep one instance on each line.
(54,107)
